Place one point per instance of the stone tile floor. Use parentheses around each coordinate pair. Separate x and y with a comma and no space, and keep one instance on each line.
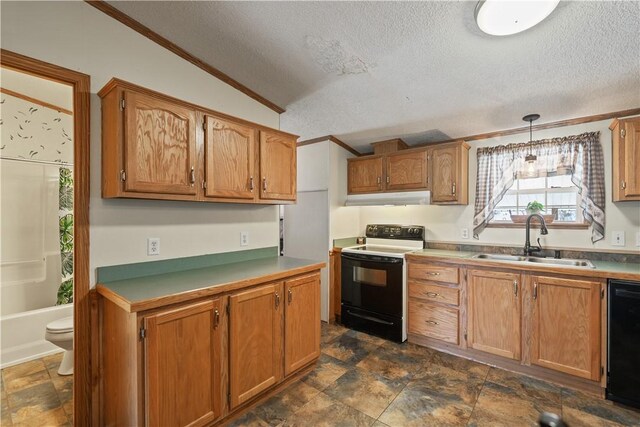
(33,394)
(362,380)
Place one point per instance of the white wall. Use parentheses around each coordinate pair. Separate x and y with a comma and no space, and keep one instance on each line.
(443,223)
(77,36)
(344,221)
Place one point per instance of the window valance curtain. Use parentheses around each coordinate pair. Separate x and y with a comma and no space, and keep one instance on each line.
(578,155)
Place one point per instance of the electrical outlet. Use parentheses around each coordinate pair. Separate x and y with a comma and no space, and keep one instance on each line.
(617,238)
(464,232)
(244,238)
(638,239)
(153,246)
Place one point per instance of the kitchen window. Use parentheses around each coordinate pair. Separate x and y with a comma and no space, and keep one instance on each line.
(558,194)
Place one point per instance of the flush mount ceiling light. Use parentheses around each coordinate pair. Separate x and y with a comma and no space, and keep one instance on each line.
(506,17)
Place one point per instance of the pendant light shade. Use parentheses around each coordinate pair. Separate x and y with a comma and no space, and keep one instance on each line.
(530,159)
(506,17)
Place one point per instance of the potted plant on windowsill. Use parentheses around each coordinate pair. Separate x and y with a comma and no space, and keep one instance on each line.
(532,208)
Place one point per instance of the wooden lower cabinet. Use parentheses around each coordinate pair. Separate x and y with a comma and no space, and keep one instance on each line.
(566,325)
(255,331)
(301,317)
(179,365)
(494,312)
(182,365)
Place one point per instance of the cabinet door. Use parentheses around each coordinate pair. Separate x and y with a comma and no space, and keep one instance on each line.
(230,154)
(255,334)
(302,322)
(160,146)
(566,326)
(445,183)
(364,175)
(182,365)
(277,166)
(494,312)
(407,171)
(631,138)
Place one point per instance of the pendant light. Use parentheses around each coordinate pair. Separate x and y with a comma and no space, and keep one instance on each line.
(530,159)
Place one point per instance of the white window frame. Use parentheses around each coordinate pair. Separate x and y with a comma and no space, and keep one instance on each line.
(545,190)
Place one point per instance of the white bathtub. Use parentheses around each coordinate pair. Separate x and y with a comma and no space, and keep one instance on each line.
(22,334)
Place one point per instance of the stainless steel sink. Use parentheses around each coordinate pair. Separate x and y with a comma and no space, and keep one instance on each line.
(548,261)
(569,262)
(500,257)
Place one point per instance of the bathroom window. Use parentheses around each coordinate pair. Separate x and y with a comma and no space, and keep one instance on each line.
(558,194)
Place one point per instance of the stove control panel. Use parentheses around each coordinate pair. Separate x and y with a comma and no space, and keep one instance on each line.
(391,231)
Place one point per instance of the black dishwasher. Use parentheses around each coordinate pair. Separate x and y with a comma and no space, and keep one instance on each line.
(623,381)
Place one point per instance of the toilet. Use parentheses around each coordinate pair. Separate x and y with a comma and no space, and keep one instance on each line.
(60,333)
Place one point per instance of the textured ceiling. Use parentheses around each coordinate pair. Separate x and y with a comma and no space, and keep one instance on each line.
(367,71)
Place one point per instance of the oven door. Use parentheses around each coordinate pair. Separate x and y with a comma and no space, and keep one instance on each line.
(372,283)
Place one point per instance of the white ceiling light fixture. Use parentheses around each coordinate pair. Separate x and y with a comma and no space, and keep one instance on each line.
(506,17)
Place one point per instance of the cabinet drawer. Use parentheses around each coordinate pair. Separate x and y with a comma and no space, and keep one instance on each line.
(437,273)
(433,321)
(435,293)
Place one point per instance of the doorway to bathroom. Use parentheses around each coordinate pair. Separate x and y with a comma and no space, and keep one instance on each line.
(44,243)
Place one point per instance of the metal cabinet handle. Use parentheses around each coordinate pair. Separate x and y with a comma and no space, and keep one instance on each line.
(251,183)
(264,184)
(431,322)
(453,188)
(379,180)
(216,316)
(535,290)
(388,179)
(515,287)
(432,294)
(290,295)
(277,300)
(623,185)
(429,273)
(193,176)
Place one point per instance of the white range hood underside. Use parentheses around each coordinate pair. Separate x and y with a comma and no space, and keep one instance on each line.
(390,199)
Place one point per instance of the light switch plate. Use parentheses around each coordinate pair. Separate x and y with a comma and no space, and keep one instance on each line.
(244,238)
(617,238)
(153,246)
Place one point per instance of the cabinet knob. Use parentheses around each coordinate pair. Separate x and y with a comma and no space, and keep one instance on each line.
(432,294)
(290,295)
(264,184)
(431,322)
(193,176)
(623,185)
(216,318)
(277,300)
(453,188)
(535,290)
(251,183)
(515,287)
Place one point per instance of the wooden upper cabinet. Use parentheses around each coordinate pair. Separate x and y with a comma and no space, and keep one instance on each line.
(278,158)
(625,135)
(407,170)
(364,174)
(450,172)
(566,325)
(183,365)
(230,159)
(494,307)
(255,347)
(302,322)
(159,146)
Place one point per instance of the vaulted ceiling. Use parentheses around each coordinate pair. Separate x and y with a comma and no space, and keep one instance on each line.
(367,71)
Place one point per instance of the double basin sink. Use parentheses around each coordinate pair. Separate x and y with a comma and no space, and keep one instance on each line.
(545,261)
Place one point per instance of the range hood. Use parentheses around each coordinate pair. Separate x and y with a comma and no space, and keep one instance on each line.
(390,199)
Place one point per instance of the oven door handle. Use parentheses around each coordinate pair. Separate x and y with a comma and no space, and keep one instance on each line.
(373,319)
(384,261)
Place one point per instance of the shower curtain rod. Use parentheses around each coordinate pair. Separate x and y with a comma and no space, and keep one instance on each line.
(43,162)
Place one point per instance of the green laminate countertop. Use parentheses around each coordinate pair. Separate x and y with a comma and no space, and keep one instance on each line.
(147,292)
(604,269)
